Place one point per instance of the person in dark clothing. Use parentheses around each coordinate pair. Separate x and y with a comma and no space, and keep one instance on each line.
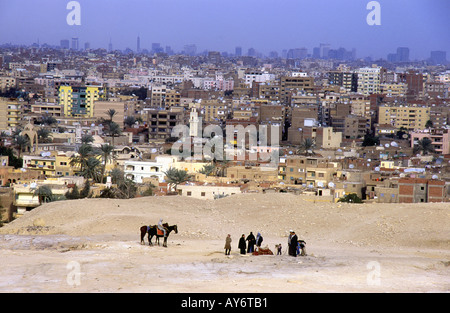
(302,245)
(242,245)
(251,242)
(259,240)
(292,242)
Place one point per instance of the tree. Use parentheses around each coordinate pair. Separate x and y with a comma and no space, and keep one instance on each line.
(48,120)
(370,140)
(130,121)
(92,169)
(351,198)
(176,176)
(80,159)
(44,135)
(44,194)
(307,147)
(87,139)
(21,142)
(429,124)
(207,169)
(424,146)
(111,113)
(114,131)
(106,153)
(74,193)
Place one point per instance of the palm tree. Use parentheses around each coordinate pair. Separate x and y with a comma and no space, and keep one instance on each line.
(80,159)
(44,135)
(21,142)
(114,131)
(92,169)
(306,147)
(111,113)
(87,139)
(176,176)
(424,146)
(208,169)
(107,155)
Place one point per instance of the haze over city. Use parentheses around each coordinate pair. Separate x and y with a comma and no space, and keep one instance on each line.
(265,25)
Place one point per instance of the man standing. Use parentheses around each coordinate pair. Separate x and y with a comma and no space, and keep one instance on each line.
(228,245)
(292,242)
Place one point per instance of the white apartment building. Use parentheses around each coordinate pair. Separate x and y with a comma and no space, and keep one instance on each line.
(138,171)
(369,80)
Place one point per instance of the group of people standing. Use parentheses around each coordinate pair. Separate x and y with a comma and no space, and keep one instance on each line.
(243,247)
(296,246)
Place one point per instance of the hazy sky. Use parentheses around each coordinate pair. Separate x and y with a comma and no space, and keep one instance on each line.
(266,25)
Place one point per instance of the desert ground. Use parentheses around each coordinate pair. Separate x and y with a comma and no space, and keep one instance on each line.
(93,245)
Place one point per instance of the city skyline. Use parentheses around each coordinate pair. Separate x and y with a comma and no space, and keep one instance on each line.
(263,25)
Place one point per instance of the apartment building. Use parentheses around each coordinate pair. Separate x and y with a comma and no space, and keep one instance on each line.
(417,190)
(346,80)
(78,101)
(161,122)
(393,90)
(6,83)
(215,110)
(440,139)
(292,85)
(369,79)
(410,117)
(10,114)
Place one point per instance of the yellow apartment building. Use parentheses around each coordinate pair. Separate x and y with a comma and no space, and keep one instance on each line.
(10,114)
(78,101)
(410,117)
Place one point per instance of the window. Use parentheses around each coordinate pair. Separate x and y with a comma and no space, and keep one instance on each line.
(189,193)
(203,194)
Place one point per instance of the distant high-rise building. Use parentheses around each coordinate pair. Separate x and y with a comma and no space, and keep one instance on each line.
(138,48)
(110,47)
(75,44)
(324,49)
(87,46)
(402,54)
(156,47)
(316,53)
(238,51)
(438,57)
(251,52)
(64,44)
(190,49)
(299,53)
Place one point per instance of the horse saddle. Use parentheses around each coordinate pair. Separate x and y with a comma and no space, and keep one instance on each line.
(159,232)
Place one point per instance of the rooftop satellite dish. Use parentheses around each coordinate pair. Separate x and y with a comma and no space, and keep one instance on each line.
(351,166)
(377,169)
(387,145)
(394,144)
(331,185)
(320,184)
(434,177)
(33,185)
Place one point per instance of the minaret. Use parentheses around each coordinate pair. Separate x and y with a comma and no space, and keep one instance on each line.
(110,45)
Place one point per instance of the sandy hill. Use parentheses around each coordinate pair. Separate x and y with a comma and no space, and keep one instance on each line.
(421,225)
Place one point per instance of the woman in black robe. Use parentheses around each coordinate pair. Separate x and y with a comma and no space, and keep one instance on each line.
(242,244)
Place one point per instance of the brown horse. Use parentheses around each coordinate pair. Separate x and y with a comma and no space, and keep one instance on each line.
(153,231)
